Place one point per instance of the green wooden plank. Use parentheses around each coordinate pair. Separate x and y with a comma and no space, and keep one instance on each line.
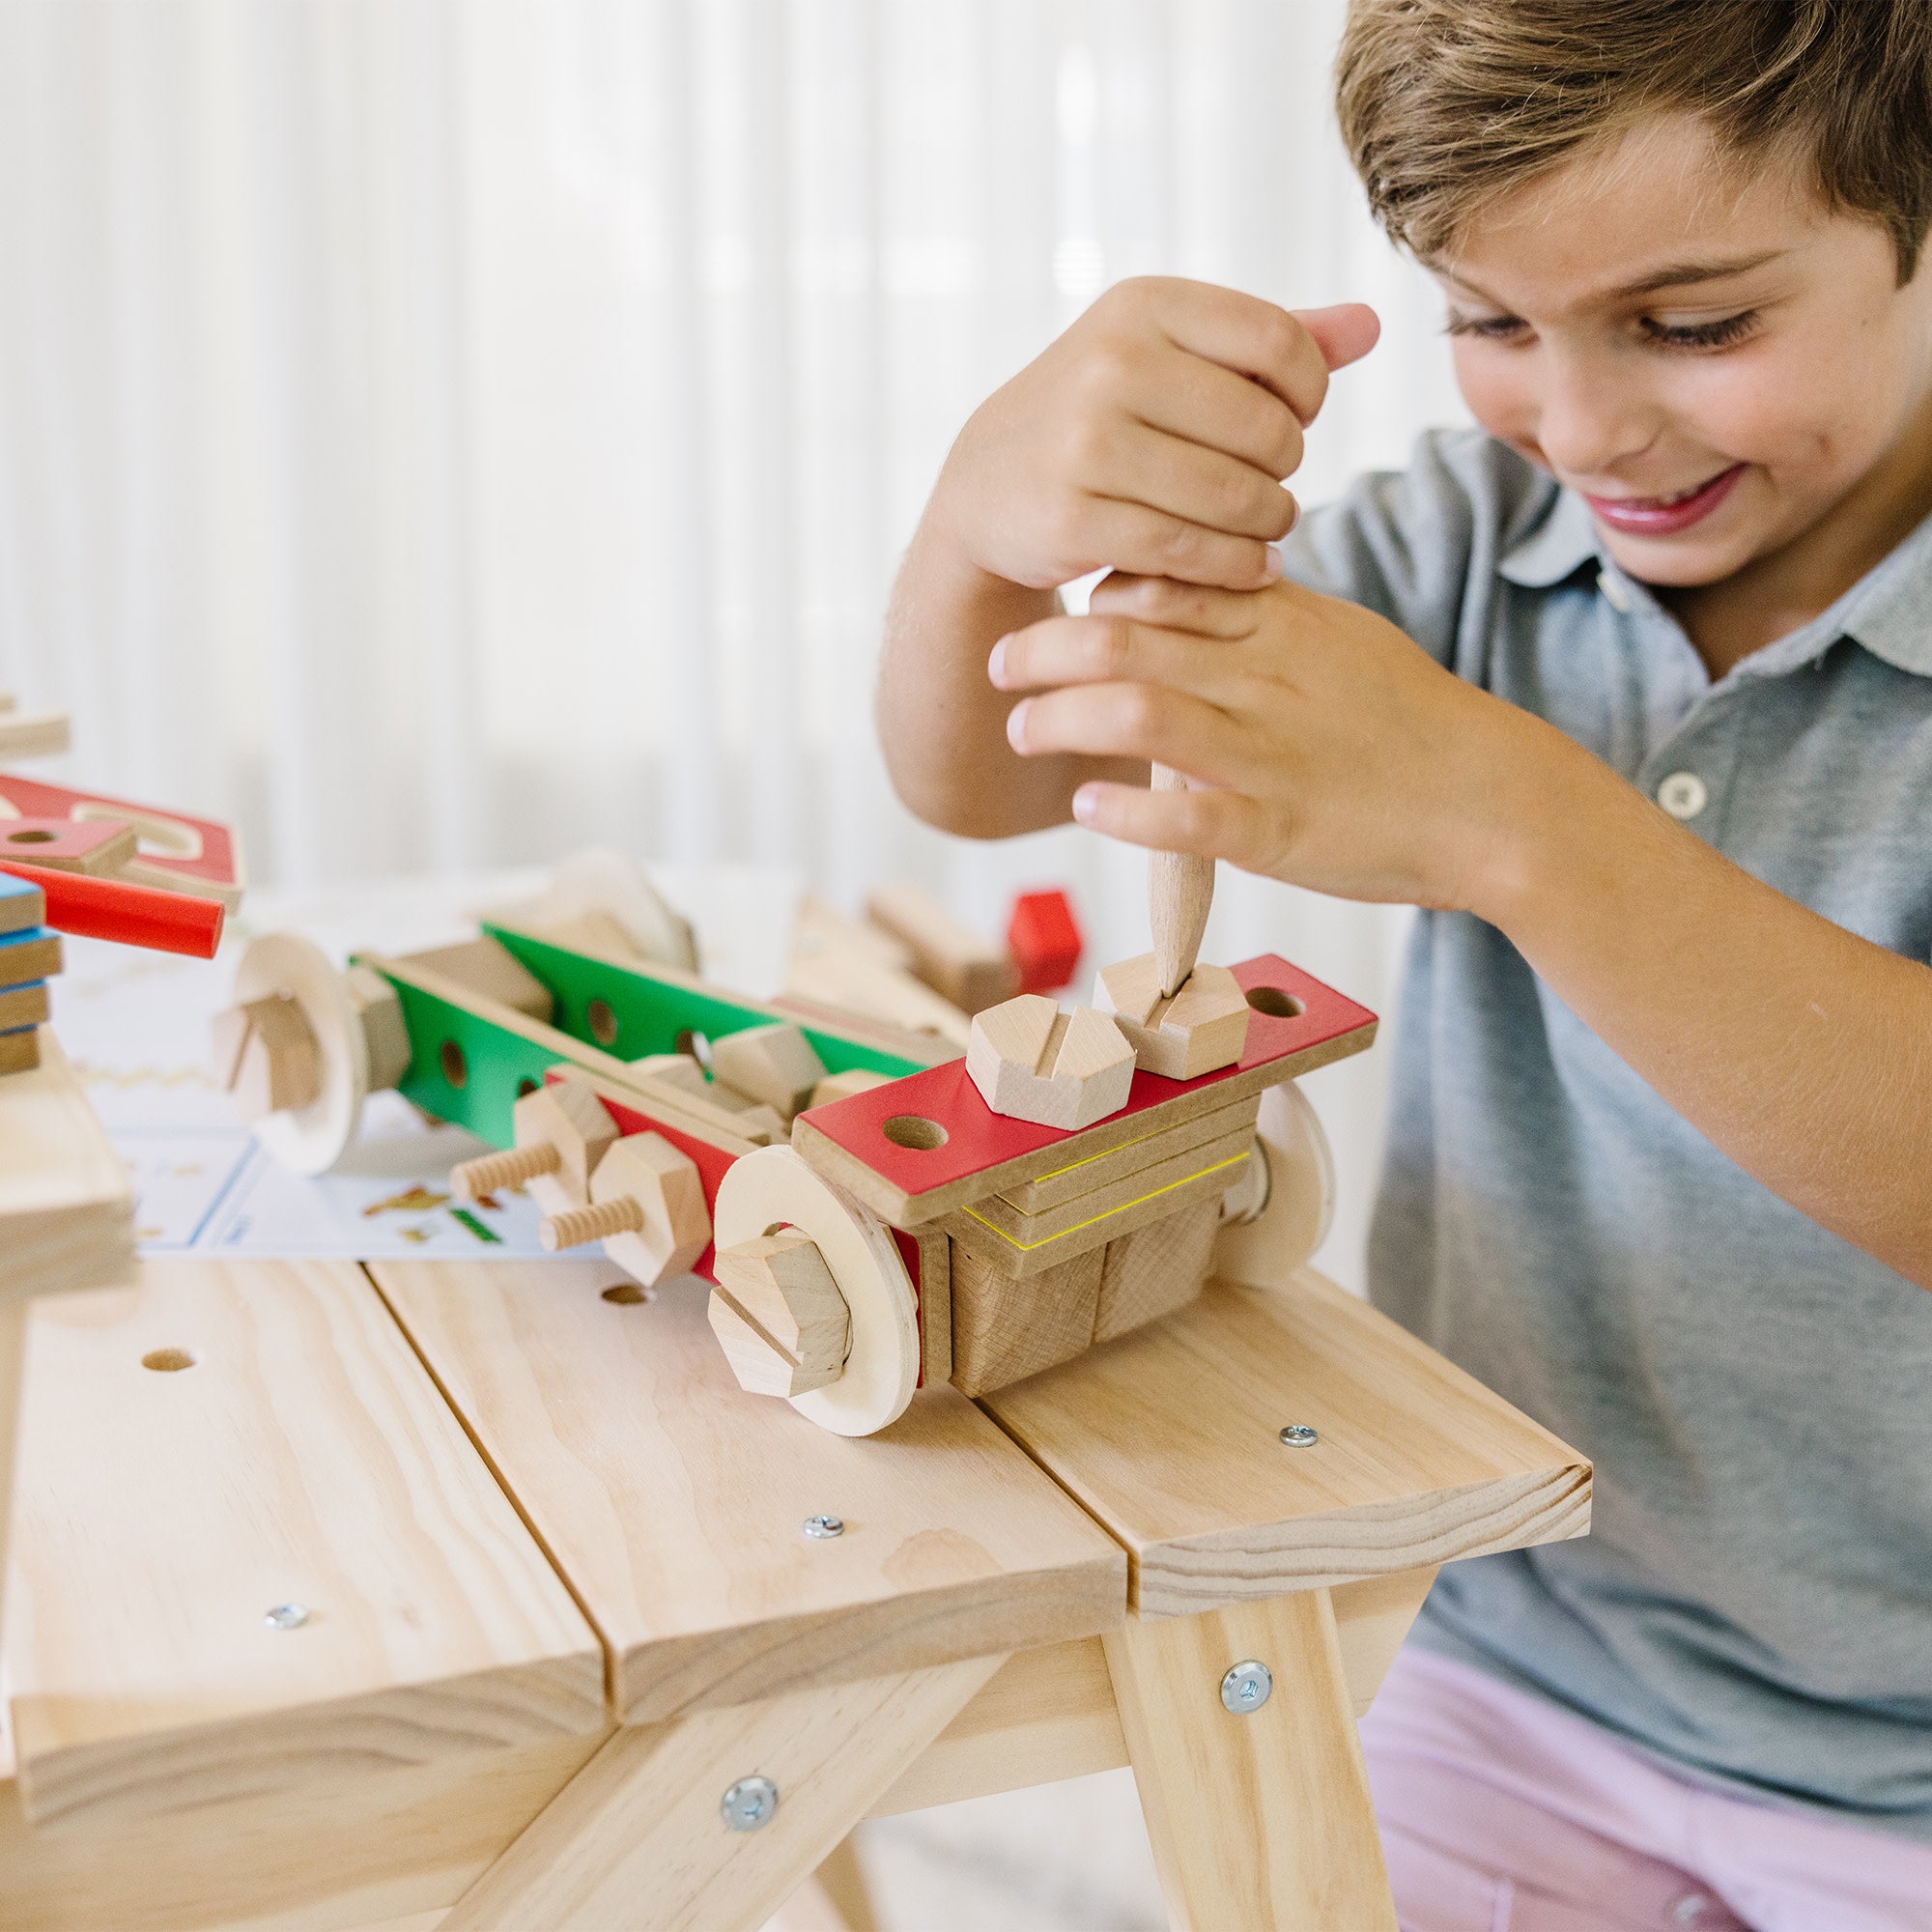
(632,1013)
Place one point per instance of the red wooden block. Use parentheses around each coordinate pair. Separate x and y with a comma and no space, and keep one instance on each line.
(1291,1013)
(180,854)
(95,848)
(127,913)
(1043,940)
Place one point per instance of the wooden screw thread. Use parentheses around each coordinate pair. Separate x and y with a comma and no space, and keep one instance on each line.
(576,1226)
(1181,892)
(488,1172)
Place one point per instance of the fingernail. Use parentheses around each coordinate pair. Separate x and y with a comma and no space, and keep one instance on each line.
(1271,566)
(995,664)
(1017,723)
(1086,805)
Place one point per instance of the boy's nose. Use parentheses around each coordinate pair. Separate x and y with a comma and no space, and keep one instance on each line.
(1593,420)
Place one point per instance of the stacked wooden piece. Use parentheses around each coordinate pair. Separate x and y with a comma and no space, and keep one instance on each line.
(30,954)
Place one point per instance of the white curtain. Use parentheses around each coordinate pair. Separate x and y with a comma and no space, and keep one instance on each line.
(438,433)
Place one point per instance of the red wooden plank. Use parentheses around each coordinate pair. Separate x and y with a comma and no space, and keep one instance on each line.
(180,853)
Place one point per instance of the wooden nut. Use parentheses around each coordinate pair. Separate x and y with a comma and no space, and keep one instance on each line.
(567,1116)
(646,1205)
(773,1064)
(778,1316)
(842,1086)
(1204,1026)
(1031,1061)
(265,1055)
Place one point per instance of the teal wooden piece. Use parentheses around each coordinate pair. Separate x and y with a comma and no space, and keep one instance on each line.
(632,1013)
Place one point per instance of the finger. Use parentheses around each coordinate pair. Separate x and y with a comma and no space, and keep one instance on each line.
(1213,822)
(1344,334)
(1150,543)
(1112,650)
(1200,607)
(1193,398)
(1128,460)
(1250,336)
(1129,721)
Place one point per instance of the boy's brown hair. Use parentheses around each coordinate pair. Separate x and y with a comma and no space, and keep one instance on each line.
(1446,104)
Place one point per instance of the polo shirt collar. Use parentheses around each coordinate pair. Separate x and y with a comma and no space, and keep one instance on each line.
(1889,611)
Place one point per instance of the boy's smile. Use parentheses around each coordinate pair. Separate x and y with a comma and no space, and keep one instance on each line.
(1729,372)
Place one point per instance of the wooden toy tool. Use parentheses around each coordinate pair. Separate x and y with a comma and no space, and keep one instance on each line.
(1181,890)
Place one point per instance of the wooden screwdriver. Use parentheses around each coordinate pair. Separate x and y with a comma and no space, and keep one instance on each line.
(1181,890)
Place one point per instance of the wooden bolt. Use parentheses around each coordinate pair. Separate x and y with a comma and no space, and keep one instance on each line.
(646,1207)
(474,1179)
(778,1316)
(774,1064)
(578,1227)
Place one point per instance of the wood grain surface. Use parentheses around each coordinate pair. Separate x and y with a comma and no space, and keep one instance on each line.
(674,1502)
(1169,1436)
(297,1454)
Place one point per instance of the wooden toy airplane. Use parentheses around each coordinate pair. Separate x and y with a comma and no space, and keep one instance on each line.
(867,1220)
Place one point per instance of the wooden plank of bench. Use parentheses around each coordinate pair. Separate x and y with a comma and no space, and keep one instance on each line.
(301,1457)
(1168,1436)
(674,1502)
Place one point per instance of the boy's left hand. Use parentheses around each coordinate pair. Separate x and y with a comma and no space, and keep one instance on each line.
(1332,750)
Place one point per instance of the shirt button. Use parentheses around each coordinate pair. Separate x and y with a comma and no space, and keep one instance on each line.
(1682,794)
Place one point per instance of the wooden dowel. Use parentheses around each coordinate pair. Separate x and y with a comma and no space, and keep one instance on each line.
(576,1226)
(488,1172)
(1181,890)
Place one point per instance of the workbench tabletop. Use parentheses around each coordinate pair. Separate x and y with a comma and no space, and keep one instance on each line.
(675,1503)
(226,1439)
(1172,1437)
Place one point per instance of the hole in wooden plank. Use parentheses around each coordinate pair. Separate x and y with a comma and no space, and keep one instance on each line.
(913,1131)
(34,837)
(629,1293)
(602,1022)
(526,1086)
(1277,1005)
(455,1068)
(690,1040)
(167,1361)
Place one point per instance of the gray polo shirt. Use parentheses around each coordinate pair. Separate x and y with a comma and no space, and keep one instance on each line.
(1754,1602)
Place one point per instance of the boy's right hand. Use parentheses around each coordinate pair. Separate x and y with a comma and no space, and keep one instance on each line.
(1150,437)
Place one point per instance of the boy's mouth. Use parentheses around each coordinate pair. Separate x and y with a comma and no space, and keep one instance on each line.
(1664,516)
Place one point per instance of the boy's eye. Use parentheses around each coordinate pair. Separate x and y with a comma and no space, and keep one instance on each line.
(1491,327)
(1719,334)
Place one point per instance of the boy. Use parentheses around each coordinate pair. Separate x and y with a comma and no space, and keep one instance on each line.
(1634,688)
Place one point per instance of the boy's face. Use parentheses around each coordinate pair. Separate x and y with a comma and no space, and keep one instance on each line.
(1707,353)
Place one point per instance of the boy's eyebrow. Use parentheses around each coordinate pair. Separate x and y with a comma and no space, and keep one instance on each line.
(1672,275)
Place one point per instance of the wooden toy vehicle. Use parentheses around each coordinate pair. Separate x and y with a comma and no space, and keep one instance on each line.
(867,1221)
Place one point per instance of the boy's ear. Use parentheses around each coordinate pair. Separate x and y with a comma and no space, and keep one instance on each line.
(1344,334)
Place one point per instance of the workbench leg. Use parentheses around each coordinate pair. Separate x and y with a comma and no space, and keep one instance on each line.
(12,1360)
(637,1837)
(1261,1820)
(834,1898)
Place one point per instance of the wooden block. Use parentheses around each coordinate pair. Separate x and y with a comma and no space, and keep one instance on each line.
(673,1505)
(773,1064)
(563,1131)
(385,1032)
(95,848)
(1210,1780)
(1005,1329)
(1090,1173)
(239,1437)
(848,967)
(972,1229)
(488,967)
(1032,1061)
(32,952)
(1043,941)
(1169,1436)
(21,905)
(781,1284)
(952,958)
(279,1066)
(23,1007)
(20,1051)
(1156,1269)
(935,1251)
(648,1207)
(66,1207)
(603,903)
(759,1366)
(1203,1026)
(33,734)
(927,1144)
(840,1086)
(680,1071)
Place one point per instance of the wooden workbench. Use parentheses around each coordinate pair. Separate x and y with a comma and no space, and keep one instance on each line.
(552,1598)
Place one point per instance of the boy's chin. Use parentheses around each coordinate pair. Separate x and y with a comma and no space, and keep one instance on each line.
(1681,563)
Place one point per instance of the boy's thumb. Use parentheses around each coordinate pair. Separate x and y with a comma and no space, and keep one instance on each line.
(1344,334)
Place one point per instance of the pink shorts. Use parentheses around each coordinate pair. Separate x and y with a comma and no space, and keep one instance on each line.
(1503,1813)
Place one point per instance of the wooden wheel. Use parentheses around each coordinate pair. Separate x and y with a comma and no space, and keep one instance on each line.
(312,1137)
(1280,1232)
(771,1188)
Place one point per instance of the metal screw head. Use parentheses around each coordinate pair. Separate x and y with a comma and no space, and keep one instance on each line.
(824,1527)
(749,1804)
(287,1617)
(1247,1687)
(1298,1435)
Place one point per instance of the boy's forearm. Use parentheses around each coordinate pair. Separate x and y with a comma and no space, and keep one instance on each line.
(1800,1050)
(941,723)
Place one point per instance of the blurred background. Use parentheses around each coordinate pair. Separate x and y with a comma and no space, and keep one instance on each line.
(437,434)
